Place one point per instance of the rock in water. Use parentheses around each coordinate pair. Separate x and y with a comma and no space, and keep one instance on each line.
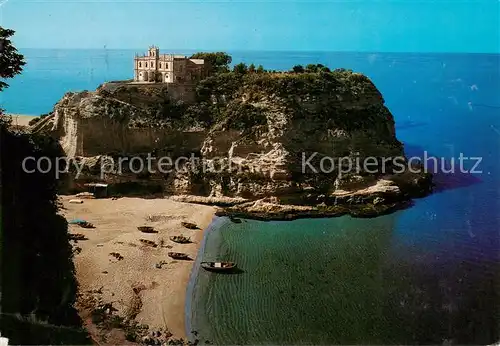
(317,139)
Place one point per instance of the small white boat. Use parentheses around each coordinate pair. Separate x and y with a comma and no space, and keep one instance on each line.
(218,266)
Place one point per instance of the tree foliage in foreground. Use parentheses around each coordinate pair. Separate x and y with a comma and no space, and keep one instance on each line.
(11,62)
(37,278)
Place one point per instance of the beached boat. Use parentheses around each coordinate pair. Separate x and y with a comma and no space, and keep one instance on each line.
(218,266)
(77,236)
(189,225)
(148,242)
(234,220)
(147,229)
(180,239)
(178,255)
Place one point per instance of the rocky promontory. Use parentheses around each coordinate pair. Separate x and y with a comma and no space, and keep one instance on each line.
(281,145)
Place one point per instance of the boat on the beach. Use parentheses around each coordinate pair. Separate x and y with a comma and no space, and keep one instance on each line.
(148,242)
(147,229)
(77,236)
(218,266)
(81,223)
(189,225)
(178,255)
(180,239)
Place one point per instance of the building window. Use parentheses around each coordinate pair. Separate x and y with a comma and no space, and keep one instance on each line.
(152,64)
(146,64)
(140,64)
(160,65)
(166,65)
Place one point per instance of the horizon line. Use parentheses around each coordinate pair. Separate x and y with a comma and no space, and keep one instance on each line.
(266,50)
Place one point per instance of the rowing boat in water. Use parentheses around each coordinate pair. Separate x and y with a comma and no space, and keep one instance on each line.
(218,266)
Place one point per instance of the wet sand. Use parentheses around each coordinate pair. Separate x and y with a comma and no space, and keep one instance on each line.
(116,221)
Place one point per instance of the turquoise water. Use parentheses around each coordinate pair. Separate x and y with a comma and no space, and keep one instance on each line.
(424,275)
(339,281)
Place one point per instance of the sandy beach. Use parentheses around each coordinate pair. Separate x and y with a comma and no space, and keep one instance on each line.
(21,119)
(163,291)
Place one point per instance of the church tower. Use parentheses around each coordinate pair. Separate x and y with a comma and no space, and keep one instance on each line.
(154,52)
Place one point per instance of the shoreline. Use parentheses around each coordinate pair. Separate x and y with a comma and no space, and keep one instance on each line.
(363,211)
(21,120)
(267,209)
(193,279)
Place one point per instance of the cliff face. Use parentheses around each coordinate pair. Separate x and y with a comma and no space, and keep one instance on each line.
(123,118)
(302,138)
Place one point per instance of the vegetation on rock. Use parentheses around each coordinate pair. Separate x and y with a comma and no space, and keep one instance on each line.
(219,61)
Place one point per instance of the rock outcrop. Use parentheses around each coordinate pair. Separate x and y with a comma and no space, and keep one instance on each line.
(309,139)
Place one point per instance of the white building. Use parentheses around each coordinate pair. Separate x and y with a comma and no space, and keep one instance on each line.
(168,68)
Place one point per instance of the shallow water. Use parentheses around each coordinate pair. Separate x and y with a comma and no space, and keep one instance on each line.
(336,281)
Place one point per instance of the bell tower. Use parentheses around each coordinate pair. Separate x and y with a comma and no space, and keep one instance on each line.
(154,52)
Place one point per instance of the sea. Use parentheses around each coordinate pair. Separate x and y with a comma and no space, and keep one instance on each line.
(428,274)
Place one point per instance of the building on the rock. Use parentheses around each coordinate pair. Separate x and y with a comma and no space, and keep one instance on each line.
(168,68)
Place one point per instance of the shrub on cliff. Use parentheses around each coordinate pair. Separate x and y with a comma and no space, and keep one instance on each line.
(37,119)
(298,69)
(219,61)
(240,68)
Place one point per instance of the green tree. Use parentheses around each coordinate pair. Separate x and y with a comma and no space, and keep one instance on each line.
(298,69)
(260,69)
(311,68)
(240,68)
(11,62)
(251,68)
(218,61)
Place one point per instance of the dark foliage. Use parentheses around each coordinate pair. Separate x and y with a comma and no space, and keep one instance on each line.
(240,68)
(225,96)
(11,62)
(244,116)
(219,61)
(314,68)
(37,269)
(37,276)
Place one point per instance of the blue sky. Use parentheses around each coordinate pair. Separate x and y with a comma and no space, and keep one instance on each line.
(369,25)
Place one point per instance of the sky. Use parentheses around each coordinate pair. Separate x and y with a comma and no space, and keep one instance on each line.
(471,26)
